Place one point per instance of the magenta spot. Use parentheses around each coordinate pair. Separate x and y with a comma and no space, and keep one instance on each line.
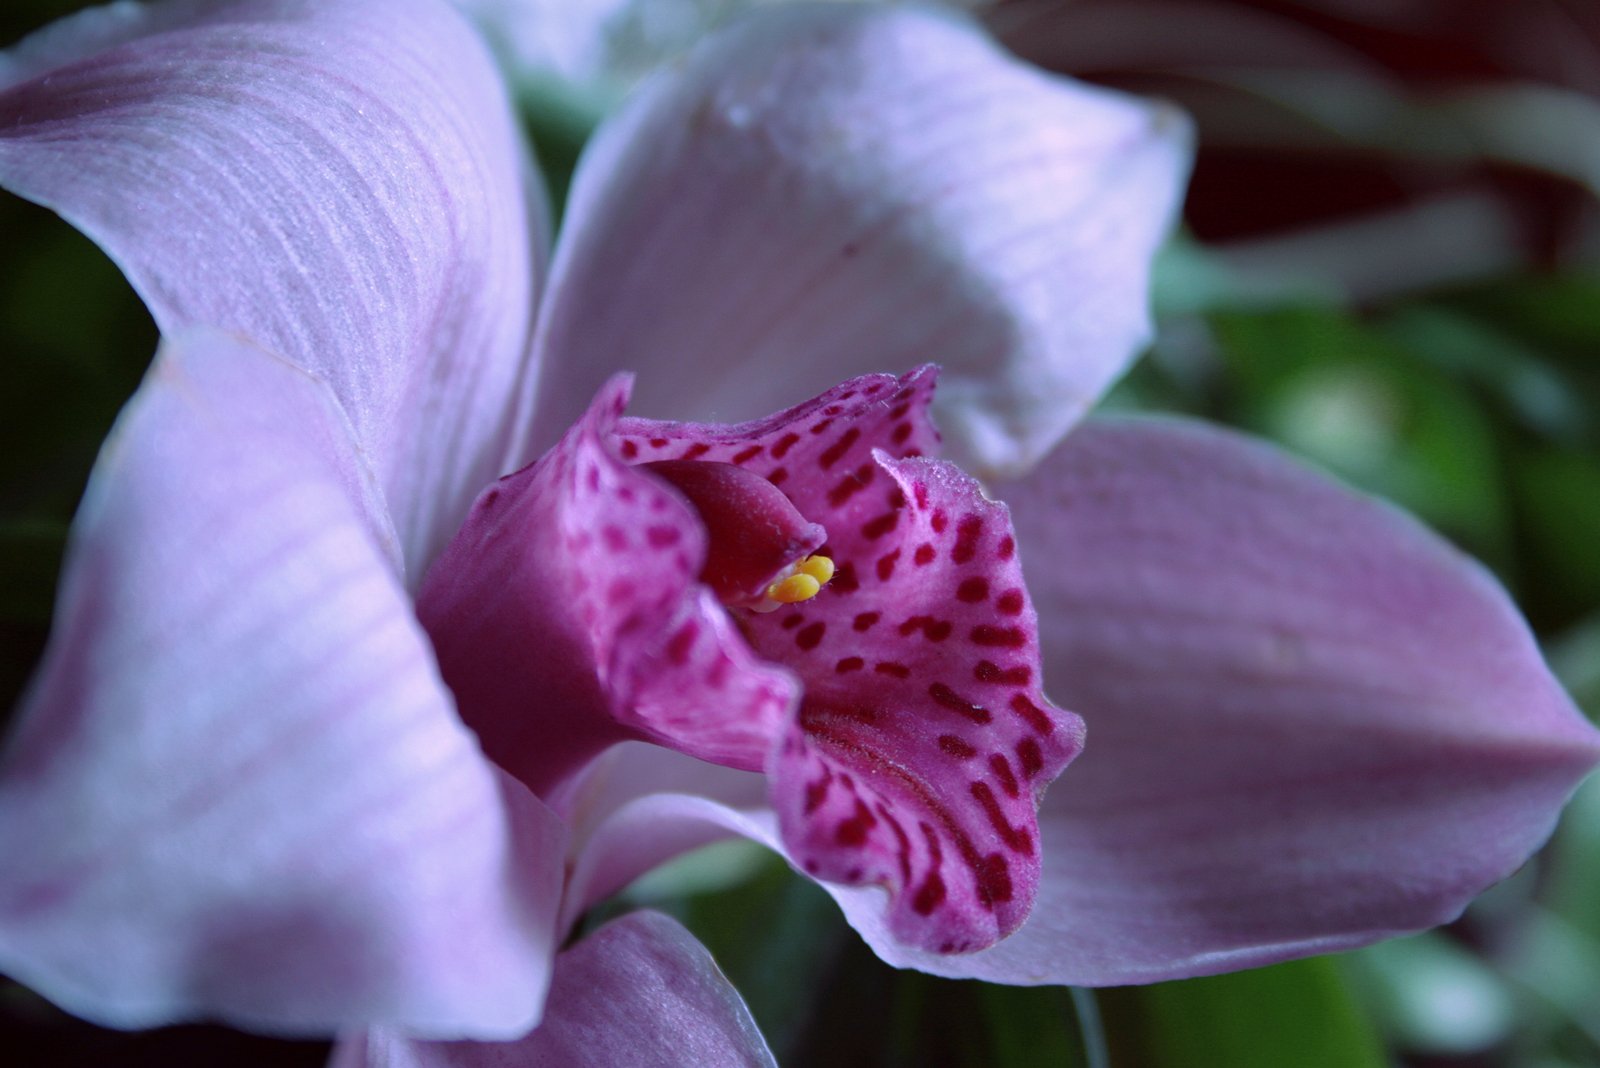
(953,746)
(662,537)
(1030,757)
(778,475)
(937,630)
(620,592)
(625,492)
(614,538)
(833,409)
(899,411)
(896,497)
(490,497)
(875,387)
(973,590)
(1032,713)
(1007,548)
(900,434)
(695,451)
(681,642)
(886,564)
(593,476)
(835,452)
(1001,637)
(880,526)
(781,447)
(947,697)
(865,620)
(810,636)
(659,443)
(924,555)
(892,668)
(849,664)
(744,456)
(920,490)
(853,831)
(821,426)
(989,671)
(967,533)
(1010,602)
(939,521)
(929,895)
(1002,773)
(717,673)
(848,487)
(792,620)
(630,450)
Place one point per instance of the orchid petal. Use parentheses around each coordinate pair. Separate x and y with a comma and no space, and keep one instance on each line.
(639,992)
(341,183)
(567,617)
(1312,723)
(238,788)
(784,212)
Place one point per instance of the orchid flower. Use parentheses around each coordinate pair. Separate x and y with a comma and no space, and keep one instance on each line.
(337,731)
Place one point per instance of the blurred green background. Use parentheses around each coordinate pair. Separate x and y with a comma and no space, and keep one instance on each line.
(1474,402)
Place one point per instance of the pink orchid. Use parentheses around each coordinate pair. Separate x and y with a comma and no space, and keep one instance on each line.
(247,781)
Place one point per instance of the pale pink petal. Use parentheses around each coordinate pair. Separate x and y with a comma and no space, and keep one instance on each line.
(1312,724)
(639,992)
(238,788)
(823,191)
(567,616)
(341,183)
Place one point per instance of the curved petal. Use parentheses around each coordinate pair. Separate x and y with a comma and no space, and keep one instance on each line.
(639,992)
(567,616)
(238,788)
(1312,723)
(341,183)
(825,191)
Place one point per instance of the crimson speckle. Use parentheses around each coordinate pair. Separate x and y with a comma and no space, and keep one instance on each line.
(967,533)
(744,456)
(659,443)
(821,426)
(939,521)
(1031,757)
(920,491)
(1002,773)
(849,664)
(892,668)
(880,526)
(1010,602)
(614,538)
(1007,548)
(778,475)
(1002,637)
(695,451)
(924,555)
(681,642)
(899,411)
(886,564)
(781,447)
(865,620)
(835,452)
(994,880)
(791,621)
(956,747)
(947,697)
(929,895)
(900,434)
(845,580)
(989,671)
(973,590)
(1035,716)
(630,450)
(662,537)
(816,793)
(810,636)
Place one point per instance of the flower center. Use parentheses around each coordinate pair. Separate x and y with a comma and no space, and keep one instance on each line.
(760,551)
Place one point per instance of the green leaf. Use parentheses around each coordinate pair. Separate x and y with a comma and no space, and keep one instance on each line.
(1300,1014)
